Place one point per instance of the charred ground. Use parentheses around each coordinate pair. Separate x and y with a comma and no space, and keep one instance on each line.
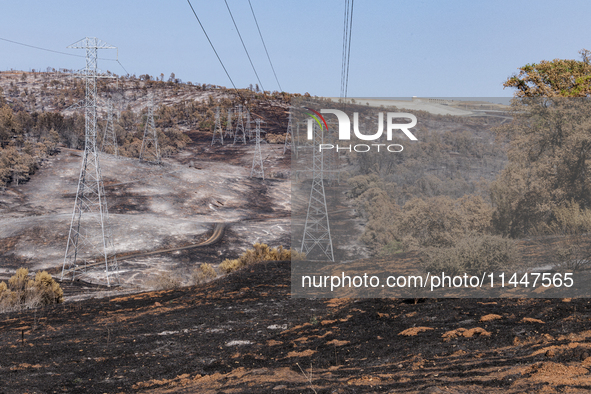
(244,333)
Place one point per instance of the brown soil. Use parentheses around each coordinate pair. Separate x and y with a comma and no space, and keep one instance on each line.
(245,334)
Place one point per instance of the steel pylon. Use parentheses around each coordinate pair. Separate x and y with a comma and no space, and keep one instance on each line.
(239,134)
(257,169)
(330,161)
(288,136)
(229,130)
(217,129)
(248,129)
(109,144)
(317,241)
(296,141)
(150,151)
(90,239)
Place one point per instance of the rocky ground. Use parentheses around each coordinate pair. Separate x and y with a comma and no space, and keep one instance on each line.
(245,334)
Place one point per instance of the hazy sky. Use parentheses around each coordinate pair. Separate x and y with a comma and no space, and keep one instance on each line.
(399,48)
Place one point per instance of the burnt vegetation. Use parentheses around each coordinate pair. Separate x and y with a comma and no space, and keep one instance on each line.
(483,181)
(35,119)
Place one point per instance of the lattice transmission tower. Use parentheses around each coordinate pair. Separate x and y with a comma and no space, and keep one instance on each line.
(217,129)
(90,239)
(317,241)
(109,144)
(248,129)
(150,151)
(331,160)
(288,135)
(229,130)
(296,141)
(257,169)
(239,134)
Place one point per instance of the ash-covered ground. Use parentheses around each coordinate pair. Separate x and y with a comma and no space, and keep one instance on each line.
(151,207)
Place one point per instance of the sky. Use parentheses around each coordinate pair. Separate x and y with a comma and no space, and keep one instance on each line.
(407,48)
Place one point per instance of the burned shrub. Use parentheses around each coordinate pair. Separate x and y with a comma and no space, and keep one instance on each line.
(24,292)
(165,281)
(473,255)
(204,273)
(260,252)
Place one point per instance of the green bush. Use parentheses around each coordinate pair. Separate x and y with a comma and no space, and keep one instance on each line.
(422,221)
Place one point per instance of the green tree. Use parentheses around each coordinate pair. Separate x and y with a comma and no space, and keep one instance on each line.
(549,145)
(559,77)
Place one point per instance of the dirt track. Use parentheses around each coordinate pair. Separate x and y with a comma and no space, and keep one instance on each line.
(217,235)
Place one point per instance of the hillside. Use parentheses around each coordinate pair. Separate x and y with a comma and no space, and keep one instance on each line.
(173,205)
(56,90)
(243,332)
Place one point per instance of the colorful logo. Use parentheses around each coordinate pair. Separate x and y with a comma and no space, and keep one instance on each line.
(345,124)
(316,115)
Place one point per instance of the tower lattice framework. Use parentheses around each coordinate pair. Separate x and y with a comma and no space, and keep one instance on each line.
(90,240)
(239,134)
(257,169)
(288,136)
(317,241)
(330,160)
(217,129)
(248,129)
(150,151)
(109,144)
(229,129)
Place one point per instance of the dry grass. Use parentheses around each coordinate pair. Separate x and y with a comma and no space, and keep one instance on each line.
(204,273)
(260,252)
(165,281)
(23,292)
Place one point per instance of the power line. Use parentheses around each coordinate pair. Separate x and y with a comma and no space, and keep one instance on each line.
(244,46)
(61,53)
(51,50)
(42,49)
(268,57)
(218,56)
(212,47)
(123,67)
(347,28)
(343,56)
(349,50)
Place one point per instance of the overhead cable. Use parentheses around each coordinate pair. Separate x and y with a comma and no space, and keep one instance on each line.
(267,52)
(244,46)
